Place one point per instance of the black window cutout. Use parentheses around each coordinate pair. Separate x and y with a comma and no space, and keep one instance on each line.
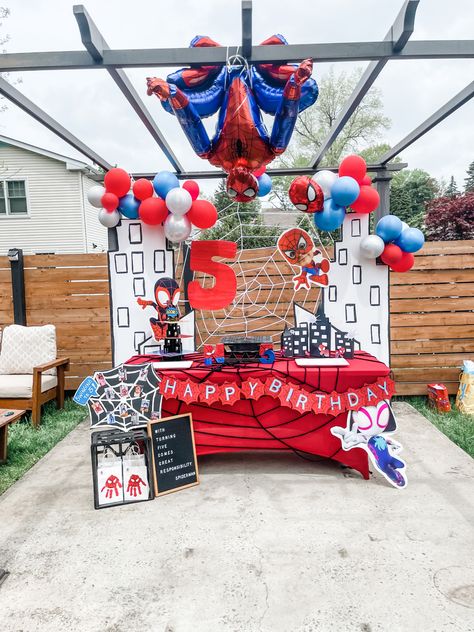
(356,275)
(123,317)
(351,313)
(135,235)
(342,257)
(139,286)
(137,263)
(375,334)
(138,339)
(355,228)
(374,295)
(121,263)
(332,296)
(159,261)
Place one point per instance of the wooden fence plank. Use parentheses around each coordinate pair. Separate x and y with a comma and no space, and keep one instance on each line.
(434,318)
(419,388)
(431,305)
(66,260)
(428,360)
(428,276)
(459,345)
(431,290)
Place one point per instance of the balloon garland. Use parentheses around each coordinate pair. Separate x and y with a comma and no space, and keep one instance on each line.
(162,201)
(395,242)
(328,195)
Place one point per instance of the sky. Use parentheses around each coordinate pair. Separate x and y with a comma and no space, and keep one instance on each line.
(90,105)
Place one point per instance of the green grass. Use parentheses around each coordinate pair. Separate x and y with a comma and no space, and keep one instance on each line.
(26,445)
(455,425)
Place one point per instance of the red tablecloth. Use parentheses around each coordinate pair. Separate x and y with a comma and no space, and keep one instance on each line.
(264,424)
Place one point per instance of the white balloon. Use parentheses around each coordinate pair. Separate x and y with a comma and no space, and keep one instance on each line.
(177,229)
(94,195)
(109,219)
(325,179)
(178,201)
(372,246)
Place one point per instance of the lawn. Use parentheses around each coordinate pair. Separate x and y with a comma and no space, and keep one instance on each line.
(26,445)
(455,425)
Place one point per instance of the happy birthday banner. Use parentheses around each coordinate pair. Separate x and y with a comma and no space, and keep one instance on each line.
(290,395)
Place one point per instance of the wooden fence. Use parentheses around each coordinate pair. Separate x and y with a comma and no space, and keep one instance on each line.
(432,310)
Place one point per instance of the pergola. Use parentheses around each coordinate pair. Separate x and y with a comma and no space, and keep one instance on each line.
(396,46)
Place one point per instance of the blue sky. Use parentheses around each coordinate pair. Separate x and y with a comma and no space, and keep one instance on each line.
(90,105)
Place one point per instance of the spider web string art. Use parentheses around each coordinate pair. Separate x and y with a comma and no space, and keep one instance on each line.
(265,291)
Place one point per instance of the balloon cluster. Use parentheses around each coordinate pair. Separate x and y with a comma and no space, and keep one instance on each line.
(162,201)
(351,187)
(394,242)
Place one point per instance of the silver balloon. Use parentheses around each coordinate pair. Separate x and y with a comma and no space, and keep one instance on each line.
(178,201)
(94,195)
(372,246)
(177,229)
(109,220)
(325,179)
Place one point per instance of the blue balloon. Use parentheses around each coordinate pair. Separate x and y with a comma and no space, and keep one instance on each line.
(411,240)
(264,185)
(128,206)
(331,217)
(345,191)
(163,182)
(389,228)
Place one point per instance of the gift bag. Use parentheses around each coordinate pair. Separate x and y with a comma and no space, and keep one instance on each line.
(465,396)
(109,478)
(135,475)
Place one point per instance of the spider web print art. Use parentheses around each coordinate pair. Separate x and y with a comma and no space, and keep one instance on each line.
(265,291)
(127,397)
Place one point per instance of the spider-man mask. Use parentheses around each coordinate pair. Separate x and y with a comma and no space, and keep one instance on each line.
(242,185)
(297,247)
(166,292)
(306,194)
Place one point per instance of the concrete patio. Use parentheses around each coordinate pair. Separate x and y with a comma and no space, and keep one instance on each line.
(265,543)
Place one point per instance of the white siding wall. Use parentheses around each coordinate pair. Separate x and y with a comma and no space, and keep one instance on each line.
(55,222)
(95,232)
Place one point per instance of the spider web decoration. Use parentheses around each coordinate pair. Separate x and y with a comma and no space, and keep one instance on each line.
(265,291)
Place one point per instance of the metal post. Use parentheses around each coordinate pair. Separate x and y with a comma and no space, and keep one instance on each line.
(383,187)
(15,256)
(187,275)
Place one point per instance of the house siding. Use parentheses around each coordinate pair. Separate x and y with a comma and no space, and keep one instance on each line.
(57,218)
(96,234)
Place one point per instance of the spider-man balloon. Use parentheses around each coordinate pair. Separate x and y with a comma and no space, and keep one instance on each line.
(241,144)
(306,194)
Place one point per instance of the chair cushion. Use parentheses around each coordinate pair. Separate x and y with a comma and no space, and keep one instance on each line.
(15,386)
(23,348)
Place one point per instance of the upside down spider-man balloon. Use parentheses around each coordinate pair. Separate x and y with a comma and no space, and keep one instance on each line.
(241,144)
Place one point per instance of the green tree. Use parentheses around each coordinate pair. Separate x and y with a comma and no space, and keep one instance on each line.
(452,188)
(242,223)
(410,191)
(469,186)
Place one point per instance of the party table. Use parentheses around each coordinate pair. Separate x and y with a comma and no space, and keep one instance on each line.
(279,406)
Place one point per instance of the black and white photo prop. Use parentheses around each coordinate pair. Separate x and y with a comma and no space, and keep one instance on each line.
(121,467)
(174,454)
(127,397)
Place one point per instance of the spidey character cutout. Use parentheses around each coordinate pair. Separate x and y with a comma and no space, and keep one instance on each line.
(298,249)
(240,92)
(166,305)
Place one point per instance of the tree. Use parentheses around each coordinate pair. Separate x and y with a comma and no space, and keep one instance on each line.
(450,218)
(410,191)
(469,186)
(452,188)
(242,223)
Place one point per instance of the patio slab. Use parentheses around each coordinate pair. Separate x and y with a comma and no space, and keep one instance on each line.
(265,543)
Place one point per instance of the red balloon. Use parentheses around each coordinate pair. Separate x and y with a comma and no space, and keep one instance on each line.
(117,181)
(406,263)
(367,180)
(202,214)
(142,189)
(367,201)
(109,201)
(353,166)
(192,188)
(259,172)
(153,211)
(391,254)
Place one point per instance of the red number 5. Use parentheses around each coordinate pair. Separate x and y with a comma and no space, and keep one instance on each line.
(225,288)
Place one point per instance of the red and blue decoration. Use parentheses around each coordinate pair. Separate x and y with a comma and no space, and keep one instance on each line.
(240,93)
(298,249)
(306,194)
